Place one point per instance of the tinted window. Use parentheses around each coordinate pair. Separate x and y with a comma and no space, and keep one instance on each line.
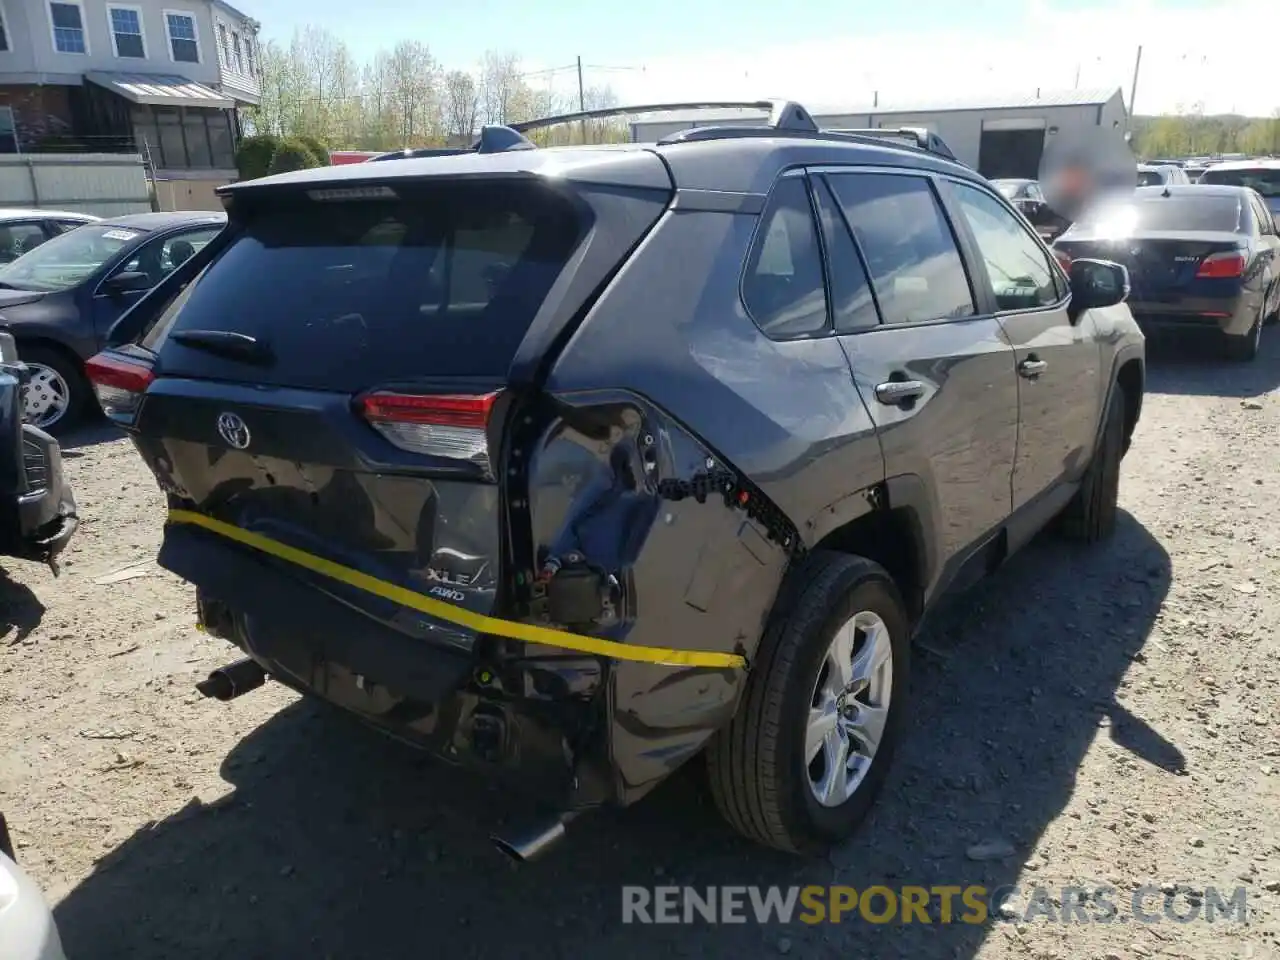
(783,287)
(852,305)
(1184,211)
(915,268)
(1019,269)
(347,295)
(1266,180)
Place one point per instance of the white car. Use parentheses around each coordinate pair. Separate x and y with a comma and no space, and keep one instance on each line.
(23,229)
(27,930)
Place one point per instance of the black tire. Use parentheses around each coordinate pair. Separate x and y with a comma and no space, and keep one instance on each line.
(79,393)
(1245,349)
(1091,514)
(755,765)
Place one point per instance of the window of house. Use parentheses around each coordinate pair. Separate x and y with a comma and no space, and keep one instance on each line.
(197,138)
(8,131)
(224,46)
(184,45)
(911,254)
(173,148)
(126,31)
(221,142)
(235,46)
(248,51)
(68,28)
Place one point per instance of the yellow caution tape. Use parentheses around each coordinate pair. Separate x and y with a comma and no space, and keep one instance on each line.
(478,622)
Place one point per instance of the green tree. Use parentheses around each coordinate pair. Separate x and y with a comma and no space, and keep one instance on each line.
(292,154)
(253,156)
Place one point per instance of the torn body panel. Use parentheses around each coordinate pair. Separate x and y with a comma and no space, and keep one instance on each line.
(692,572)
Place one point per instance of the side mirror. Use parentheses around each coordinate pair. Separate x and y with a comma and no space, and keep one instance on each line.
(1097,283)
(131,281)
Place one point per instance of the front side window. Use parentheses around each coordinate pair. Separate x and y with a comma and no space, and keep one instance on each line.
(1019,270)
(68,28)
(915,266)
(126,32)
(184,46)
(783,289)
(161,257)
(67,260)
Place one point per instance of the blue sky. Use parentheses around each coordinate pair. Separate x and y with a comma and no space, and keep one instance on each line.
(835,50)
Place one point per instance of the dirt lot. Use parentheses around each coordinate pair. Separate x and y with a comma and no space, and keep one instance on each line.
(1111,714)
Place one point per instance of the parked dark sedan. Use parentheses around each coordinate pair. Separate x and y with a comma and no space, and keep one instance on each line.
(1199,257)
(60,299)
(1027,196)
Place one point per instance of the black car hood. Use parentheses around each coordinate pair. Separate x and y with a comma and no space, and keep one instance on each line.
(16,298)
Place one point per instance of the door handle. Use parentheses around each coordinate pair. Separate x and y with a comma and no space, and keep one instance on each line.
(1032,368)
(897,392)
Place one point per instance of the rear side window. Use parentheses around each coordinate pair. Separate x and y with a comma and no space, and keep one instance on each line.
(853,307)
(915,266)
(1149,178)
(783,288)
(350,294)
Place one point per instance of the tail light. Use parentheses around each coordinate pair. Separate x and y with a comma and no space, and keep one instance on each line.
(119,383)
(1221,266)
(454,427)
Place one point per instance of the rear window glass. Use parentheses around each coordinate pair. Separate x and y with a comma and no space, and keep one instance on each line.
(350,294)
(1183,212)
(1150,178)
(1266,180)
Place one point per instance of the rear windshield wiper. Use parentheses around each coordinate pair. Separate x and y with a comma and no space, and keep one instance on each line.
(226,343)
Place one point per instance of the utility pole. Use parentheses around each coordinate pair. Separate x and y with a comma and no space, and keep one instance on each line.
(1133,91)
(582,100)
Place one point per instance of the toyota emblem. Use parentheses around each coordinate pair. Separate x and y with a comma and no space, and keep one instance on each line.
(234,430)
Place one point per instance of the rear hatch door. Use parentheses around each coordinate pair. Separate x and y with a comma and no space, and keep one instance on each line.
(338,378)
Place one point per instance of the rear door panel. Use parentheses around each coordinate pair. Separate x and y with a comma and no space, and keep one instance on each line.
(960,434)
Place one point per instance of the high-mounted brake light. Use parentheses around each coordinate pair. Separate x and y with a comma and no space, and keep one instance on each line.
(119,384)
(451,426)
(1222,266)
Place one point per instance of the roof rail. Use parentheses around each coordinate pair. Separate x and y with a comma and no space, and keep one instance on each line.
(493,139)
(907,137)
(917,137)
(783,114)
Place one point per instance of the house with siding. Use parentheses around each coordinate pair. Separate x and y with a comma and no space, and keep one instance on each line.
(163,78)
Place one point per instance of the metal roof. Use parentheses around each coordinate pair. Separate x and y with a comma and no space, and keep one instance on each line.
(159,89)
(1034,99)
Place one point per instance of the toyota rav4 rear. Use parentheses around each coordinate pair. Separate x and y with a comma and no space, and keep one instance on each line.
(379,503)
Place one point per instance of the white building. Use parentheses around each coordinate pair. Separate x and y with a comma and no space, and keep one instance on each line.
(163,78)
(998,138)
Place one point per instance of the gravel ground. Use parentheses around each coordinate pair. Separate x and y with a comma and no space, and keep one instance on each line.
(1107,716)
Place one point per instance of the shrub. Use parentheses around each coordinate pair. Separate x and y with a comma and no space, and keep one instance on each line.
(253,156)
(292,155)
(317,148)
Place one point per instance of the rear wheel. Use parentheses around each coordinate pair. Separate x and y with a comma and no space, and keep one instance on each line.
(1245,348)
(1091,514)
(800,765)
(57,393)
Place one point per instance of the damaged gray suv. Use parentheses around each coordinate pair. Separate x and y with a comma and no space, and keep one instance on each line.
(579,464)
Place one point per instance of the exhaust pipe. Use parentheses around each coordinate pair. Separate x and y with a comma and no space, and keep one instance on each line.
(530,844)
(233,680)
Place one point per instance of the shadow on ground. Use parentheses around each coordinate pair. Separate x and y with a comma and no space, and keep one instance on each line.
(338,843)
(97,430)
(20,610)
(1190,364)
